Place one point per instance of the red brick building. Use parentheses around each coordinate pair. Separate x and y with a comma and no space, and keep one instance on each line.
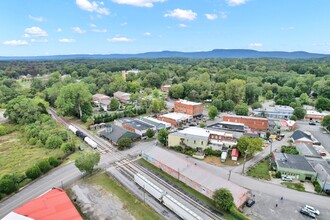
(188,107)
(175,119)
(251,122)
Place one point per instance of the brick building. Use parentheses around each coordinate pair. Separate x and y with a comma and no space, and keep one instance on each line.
(188,107)
(175,119)
(260,124)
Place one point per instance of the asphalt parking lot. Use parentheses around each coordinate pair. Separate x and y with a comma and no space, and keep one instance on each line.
(265,208)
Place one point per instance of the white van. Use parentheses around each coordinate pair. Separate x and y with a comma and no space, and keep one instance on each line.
(224,156)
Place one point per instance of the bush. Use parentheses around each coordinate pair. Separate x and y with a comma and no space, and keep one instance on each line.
(317,187)
(33,172)
(124,143)
(294,118)
(54,142)
(150,133)
(68,147)
(44,166)
(33,141)
(278,174)
(210,152)
(8,185)
(3,130)
(54,162)
(289,150)
(202,125)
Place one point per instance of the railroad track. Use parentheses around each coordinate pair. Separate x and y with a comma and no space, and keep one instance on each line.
(129,168)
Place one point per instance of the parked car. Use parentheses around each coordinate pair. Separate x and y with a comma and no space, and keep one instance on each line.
(312,123)
(286,178)
(250,202)
(312,209)
(305,211)
(81,148)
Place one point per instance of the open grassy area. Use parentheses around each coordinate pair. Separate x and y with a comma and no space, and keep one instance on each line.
(261,170)
(16,155)
(137,208)
(296,186)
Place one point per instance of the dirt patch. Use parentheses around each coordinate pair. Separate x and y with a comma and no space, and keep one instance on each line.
(213,160)
(96,203)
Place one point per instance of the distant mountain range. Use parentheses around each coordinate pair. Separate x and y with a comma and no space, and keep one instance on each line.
(217,53)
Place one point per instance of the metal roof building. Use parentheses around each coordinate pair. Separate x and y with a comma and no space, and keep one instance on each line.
(194,176)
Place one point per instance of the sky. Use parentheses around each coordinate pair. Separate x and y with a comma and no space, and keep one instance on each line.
(58,27)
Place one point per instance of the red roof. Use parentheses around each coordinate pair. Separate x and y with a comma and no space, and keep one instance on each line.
(53,205)
(234,152)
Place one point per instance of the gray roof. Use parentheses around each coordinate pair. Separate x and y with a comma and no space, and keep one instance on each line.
(117,133)
(292,162)
(299,135)
(307,150)
(156,124)
(139,125)
(190,136)
(124,120)
(236,134)
(323,172)
(231,126)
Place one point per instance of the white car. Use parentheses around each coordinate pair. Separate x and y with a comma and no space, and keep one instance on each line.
(286,178)
(312,209)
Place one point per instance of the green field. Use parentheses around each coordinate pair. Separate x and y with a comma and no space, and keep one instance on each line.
(295,186)
(261,170)
(134,206)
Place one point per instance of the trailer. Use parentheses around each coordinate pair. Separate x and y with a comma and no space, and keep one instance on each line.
(148,186)
(179,209)
(73,129)
(90,142)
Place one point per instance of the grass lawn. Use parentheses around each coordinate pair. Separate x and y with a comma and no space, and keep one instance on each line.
(206,200)
(16,155)
(261,170)
(137,208)
(295,186)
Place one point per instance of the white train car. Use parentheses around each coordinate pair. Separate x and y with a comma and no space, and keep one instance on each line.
(90,142)
(179,209)
(73,129)
(151,188)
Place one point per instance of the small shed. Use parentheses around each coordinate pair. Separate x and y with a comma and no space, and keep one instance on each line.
(234,154)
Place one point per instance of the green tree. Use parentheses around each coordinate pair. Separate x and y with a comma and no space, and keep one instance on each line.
(33,172)
(162,136)
(54,142)
(23,110)
(326,122)
(7,185)
(44,166)
(176,91)
(68,147)
(87,162)
(228,106)
(223,199)
(150,133)
(269,95)
(53,161)
(256,105)
(285,96)
(213,112)
(249,146)
(241,109)
(235,90)
(74,100)
(252,92)
(124,143)
(114,104)
(294,118)
(217,103)
(322,103)
(304,99)
(300,112)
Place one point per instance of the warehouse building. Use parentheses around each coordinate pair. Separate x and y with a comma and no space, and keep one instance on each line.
(194,176)
(260,124)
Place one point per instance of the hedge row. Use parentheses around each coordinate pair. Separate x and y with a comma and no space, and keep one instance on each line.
(109,117)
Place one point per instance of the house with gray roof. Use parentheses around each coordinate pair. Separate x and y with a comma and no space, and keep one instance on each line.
(301,137)
(307,150)
(114,133)
(294,166)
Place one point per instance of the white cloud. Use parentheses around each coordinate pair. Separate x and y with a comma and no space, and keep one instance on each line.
(147,34)
(15,42)
(211,16)
(66,40)
(92,7)
(92,25)
(100,30)
(123,24)
(38,19)
(120,39)
(138,3)
(182,14)
(183,25)
(78,30)
(39,40)
(236,2)
(223,14)
(255,45)
(35,32)
(59,30)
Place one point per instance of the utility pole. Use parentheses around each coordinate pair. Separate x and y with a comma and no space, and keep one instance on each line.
(244,161)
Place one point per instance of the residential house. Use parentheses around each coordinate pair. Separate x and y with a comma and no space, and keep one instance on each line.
(260,124)
(122,96)
(314,115)
(187,107)
(165,88)
(301,137)
(102,101)
(279,111)
(294,166)
(175,119)
(114,133)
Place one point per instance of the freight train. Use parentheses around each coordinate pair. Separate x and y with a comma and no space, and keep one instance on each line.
(83,136)
(163,197)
